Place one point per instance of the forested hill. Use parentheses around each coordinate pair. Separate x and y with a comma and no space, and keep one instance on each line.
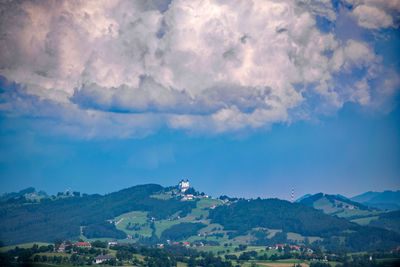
(332,204)
(61,218)
(278,214)
(152,214)
(337,233)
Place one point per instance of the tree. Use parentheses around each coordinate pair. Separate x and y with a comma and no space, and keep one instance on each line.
(99,244)
(274,257)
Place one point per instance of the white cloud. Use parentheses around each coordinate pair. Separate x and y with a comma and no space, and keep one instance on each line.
(123,68)
(371,17)
(375,14)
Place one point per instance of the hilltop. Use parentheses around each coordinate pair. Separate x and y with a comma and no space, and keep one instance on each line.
(337,205)
(150,214)
(353,211)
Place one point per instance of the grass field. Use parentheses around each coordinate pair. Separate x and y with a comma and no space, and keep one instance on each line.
(138,217)
(42,264)
(161,196)
(361,213)
(276,264)
(134,217)
(163,225)
(26,245)
(194,216)
(366,220)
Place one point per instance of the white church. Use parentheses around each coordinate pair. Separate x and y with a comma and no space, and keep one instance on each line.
(183,185)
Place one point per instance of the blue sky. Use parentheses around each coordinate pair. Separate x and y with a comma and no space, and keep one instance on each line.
(244,100)
(349,153)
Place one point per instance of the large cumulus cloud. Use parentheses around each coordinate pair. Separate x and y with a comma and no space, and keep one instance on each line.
(126,68)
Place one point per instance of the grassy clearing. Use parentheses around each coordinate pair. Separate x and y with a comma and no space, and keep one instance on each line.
(272,232)
(276,264)
(134,217)
(294,236)
(43,264)
(325,205)
(193,216)
(52,254)
(162,196)
(25,245)
(389,260)
(366,220)
(361,213)
(207,202)
(163,225)
(221,240)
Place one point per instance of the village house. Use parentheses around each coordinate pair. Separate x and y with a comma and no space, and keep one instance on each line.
(188,197)
(83,245)
(112,243)
(282,246)
(103,258)
(61,248)
(297,248)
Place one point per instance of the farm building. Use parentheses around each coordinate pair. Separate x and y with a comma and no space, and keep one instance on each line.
(103,258)
(83,245)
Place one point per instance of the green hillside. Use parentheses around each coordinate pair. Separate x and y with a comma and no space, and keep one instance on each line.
(389,221)
(150,214)
(294,217)
(356,212)
(342,207)
(62,217)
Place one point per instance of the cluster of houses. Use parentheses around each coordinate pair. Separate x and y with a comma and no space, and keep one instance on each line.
(292,247)
(183,187)
(99,259)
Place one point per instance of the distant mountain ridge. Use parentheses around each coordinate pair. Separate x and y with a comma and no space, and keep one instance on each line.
(386,200)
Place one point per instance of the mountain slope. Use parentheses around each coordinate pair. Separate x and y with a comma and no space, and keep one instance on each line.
(277,214)
(62,217)
(244,215)
(365,197)
(336,205)
(389,221)
(151,214)
(387,200)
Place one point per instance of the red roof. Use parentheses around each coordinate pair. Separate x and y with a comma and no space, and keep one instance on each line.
(82,244)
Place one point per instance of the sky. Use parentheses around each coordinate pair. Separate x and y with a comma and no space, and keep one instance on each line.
(243,98)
